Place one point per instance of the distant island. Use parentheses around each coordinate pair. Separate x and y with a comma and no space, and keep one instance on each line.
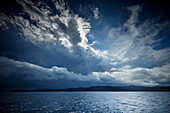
(100,88)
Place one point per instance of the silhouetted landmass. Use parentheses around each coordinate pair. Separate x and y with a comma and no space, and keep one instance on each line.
(101,88)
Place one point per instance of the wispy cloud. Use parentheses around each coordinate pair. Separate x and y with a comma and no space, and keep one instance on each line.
(135,40)
(96,13)
(3,24)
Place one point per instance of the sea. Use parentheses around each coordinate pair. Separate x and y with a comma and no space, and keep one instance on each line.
(85,102)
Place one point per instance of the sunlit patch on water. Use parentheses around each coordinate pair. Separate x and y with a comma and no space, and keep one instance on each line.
(78,102)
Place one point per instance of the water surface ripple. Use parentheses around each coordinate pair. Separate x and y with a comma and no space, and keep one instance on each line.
(98,102)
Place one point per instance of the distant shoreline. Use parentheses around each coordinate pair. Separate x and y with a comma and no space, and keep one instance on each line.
(102,88)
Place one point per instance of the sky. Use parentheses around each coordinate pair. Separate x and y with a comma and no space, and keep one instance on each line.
(82,43)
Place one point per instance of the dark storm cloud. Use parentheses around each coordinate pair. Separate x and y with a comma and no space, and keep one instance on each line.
(28,71)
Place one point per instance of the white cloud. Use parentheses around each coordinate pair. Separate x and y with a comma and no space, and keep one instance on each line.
(138,76)
(67,29)
(136,40)
(96,13)
(66,43)
(84,29)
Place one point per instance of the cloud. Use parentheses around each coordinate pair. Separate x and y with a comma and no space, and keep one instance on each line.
(135,41)
(63,50)
(28,71)
(65,29)
(96,13)
(144,76)
(126,75)
(138,75)
(42,27)
(134,14)
(61,34)
(3,24)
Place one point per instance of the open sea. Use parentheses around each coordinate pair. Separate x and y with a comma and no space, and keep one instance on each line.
(87,102)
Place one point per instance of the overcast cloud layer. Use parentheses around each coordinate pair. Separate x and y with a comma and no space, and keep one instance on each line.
(52,42)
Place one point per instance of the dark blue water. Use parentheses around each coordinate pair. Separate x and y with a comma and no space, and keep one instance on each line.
(78,102)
